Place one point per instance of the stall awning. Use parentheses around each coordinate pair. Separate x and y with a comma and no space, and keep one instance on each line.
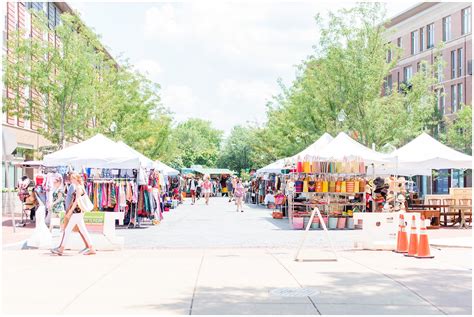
(165,169)
(427,153)
(314,149)
(345,147)
(144,161)
(96,152)
(213,171)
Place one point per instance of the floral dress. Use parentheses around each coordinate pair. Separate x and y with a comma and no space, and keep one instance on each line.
(59,205)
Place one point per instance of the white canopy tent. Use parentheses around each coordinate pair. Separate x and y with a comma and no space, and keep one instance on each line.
(274,167)
(314,149)
(424,152)
(165,169)
(343,146)
(96,152)
(144,161)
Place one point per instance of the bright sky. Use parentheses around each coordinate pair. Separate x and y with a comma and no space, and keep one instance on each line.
(218,61)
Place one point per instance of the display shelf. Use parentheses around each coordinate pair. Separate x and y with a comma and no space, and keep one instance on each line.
(328,174)
(332,193)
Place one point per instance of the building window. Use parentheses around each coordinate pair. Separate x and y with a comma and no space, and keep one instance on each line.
(399,42)
(388,84)
(454,99)
(430,35)
(460,96)
(441,104)
(447,28)
(466,21)
(453,64)
(422,39)
(37,6)
(407,74)
(469,67)
(460,62)
(414,42)
(389,54)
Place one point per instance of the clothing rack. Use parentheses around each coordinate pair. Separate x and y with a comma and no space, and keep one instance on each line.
(112,179)
(133,205)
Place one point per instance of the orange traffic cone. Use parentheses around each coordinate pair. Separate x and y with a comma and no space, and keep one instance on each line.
(402,239)
(423,244)
(413,247)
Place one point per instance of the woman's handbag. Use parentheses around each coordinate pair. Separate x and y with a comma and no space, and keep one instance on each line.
(84,202)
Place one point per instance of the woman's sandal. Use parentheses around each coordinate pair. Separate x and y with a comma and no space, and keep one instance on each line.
(89,252)
(56,251)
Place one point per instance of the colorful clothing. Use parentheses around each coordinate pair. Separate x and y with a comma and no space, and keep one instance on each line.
(59,205)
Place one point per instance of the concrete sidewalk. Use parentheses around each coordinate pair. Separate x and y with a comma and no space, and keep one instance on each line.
(236,281)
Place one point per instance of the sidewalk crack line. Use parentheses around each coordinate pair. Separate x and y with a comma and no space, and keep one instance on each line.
(291,274)
(195,285)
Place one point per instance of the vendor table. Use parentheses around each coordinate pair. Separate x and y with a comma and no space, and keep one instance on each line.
(463,212)
(432,212)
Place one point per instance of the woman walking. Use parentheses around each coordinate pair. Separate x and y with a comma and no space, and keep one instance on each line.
(57,206)
(192,189)
(207,186)
(239,191)
(75,217)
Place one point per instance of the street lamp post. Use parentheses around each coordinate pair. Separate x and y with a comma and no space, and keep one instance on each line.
(341,117)
(113,128)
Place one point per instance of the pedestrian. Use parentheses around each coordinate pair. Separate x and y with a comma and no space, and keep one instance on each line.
(75,216)
(239,192)
(207,186)
(23,191)
(199,188)
(192,189)
(57,206)
(70,190)
(223,187)
(230,188)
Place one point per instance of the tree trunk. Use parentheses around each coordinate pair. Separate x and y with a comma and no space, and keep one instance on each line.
(61,133)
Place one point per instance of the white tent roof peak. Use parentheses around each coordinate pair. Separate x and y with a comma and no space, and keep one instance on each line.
(315,148)
(165,169)
(343,146)
(428,152)
(144,161)
(96,152)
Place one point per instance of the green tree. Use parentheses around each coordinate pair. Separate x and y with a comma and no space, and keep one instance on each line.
(459,131)
(237,151)
(61,78)
(347,72)
(77,90)
(197,143)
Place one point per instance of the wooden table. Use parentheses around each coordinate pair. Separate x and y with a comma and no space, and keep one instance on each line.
(433,214)
(462,216)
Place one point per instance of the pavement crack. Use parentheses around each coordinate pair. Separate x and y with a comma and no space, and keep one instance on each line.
(93,284)
(195,285)
(398,282)
(296,280)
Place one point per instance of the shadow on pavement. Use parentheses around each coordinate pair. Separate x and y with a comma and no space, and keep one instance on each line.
(412,291)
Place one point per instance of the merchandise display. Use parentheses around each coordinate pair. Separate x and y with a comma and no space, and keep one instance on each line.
(337,188)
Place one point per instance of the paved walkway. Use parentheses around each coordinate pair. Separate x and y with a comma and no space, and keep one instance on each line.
(235,281)
(213,260)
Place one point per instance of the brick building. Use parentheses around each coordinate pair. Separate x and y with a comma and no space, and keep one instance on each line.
(30,143)
(418,31)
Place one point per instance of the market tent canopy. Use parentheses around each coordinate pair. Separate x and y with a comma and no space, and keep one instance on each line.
(345,147)
(428,153)
(165,169)
(96,152)
(315,148)
(274,167)
(144,161)
(212,171)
